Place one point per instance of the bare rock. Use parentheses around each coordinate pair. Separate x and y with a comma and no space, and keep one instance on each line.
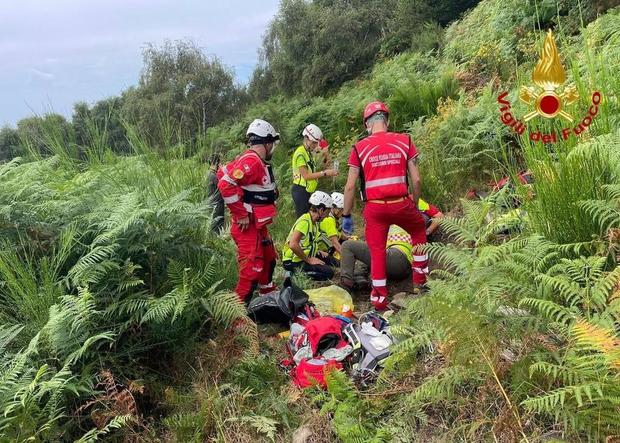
(302,434)
(400,300)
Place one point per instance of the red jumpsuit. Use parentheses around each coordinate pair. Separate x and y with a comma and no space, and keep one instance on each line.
(382,159)
(248,188)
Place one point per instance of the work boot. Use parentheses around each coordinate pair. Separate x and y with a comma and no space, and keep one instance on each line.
(346,284)
(378,301)
(267,289)
(361,282)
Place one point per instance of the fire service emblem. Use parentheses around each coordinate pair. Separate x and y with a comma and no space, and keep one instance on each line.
(549,98)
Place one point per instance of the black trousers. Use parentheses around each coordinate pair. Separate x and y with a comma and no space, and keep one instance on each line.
(301,199)
(315,272)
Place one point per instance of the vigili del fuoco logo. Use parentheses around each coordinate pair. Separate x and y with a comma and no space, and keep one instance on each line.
(549,98)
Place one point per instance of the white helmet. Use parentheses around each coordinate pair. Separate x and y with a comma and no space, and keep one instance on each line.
(261,129)
(313,132)
(338,200)
(319,198)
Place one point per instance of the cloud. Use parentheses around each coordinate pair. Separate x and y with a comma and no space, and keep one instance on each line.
(71,50)
(41,74)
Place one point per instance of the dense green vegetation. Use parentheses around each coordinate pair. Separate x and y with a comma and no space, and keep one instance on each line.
(114,302)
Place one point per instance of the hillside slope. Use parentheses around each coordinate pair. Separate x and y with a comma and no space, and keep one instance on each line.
(115,303)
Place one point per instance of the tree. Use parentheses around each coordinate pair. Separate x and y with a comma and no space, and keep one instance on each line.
(181,93)
(47,135)
(312,47)
(101,123)
(10,146)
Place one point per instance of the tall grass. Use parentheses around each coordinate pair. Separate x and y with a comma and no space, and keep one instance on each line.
(577,169)
(145,273)
(566,179)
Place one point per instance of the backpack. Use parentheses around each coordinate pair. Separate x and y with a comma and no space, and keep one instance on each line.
(278,307)
(371,341)
(306,314)
(312,372)
(316,348)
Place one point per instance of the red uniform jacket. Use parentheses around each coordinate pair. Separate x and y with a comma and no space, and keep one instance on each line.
(248,188)
(382,159)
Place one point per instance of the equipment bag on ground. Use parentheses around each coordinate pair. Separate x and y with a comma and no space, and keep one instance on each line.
(316,348)
(279,307)
(372,344)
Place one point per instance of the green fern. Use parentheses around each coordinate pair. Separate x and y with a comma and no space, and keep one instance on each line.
(118,422)
(579,295)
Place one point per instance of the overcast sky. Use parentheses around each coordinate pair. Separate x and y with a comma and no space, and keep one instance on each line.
(54,53)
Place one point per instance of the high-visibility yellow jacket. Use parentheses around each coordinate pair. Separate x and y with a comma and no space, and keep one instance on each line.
(301,157)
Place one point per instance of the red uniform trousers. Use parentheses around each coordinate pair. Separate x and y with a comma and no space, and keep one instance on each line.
(379,217)
(256,259)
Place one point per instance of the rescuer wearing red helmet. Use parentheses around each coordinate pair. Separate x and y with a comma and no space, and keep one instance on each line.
(383,161)
(249,190)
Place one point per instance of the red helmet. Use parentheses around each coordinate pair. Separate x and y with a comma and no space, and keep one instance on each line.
(374,107)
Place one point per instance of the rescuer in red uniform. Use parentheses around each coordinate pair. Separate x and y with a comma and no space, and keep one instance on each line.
(249,190)
(382,162)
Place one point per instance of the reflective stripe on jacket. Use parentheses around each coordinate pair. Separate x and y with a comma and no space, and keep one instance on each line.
(309,238)
(400,239)
(248,186)
(382,159)
(301,157)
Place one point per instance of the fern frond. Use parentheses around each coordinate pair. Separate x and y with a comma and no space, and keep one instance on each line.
(442,386)
(88,265)
(118,422)
(224,307)
(567,290)
(550,401)
(593,337)
(550,309)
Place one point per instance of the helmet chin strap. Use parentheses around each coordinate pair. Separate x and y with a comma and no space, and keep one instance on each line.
(269,152)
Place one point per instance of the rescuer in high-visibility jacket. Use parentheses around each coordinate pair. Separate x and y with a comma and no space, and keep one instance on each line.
(301,251)
(384,161)
(249,190)
(331,235)
(305,170)
(431,215)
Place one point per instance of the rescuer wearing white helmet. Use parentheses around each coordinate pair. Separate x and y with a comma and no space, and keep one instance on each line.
(305,174)
(300,251)
(331,227)
(249,190)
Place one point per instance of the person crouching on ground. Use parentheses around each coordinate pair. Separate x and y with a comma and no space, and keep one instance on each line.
(431,215)
(300,251)
(330,227)
(399,256)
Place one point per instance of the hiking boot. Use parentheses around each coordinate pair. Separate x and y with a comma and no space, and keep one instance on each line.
(268,289)
(346,284)
(379,302)
(361,282)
